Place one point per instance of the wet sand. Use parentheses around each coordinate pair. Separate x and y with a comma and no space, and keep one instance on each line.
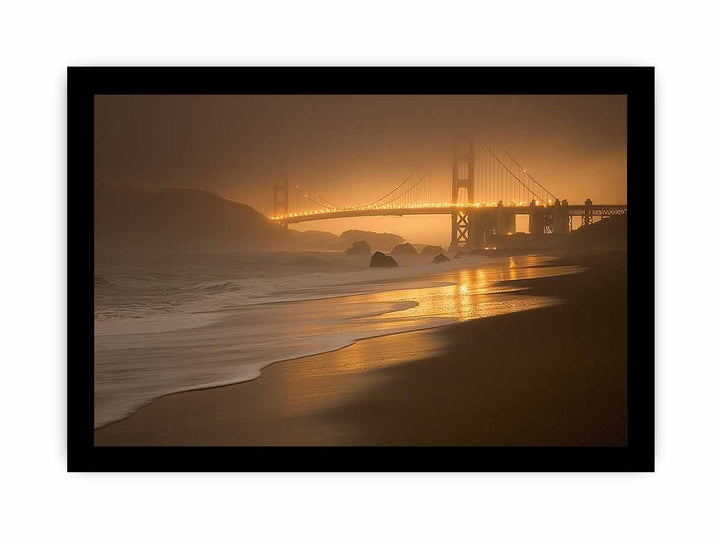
(550,376)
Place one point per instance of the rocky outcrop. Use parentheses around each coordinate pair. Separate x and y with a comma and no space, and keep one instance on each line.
(440,259)
(403,249)
(431,250)
(380,260)
(358,248)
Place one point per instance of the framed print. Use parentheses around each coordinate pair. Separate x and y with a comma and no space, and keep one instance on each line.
(361,269)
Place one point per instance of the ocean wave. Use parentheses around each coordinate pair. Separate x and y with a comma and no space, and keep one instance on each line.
(142,353)
(203,287)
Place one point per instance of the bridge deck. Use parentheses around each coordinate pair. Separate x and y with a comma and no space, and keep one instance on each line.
(573,210)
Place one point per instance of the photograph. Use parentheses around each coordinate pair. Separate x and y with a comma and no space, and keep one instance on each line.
(361,270)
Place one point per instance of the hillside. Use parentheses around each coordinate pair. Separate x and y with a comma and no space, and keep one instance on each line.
(172,219)
(604,234)
(128,219)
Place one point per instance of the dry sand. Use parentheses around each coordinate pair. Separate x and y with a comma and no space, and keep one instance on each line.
(552,376)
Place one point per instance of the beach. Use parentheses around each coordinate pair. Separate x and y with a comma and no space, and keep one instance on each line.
(554,375)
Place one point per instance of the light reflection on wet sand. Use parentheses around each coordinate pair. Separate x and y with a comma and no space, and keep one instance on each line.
(309,387)
(476,294)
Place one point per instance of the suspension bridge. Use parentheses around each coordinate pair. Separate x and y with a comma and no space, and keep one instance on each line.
(482,187)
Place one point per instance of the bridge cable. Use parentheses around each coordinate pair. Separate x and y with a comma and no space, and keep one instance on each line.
(391,191)
(524,170)
(319,196)
(406,191)
(513,174)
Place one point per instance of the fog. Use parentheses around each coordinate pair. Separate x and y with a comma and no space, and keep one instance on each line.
(354,149)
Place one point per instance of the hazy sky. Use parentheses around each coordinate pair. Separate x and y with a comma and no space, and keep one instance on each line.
(353,149)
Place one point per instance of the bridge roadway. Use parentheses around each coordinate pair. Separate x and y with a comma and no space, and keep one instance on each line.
(596,210)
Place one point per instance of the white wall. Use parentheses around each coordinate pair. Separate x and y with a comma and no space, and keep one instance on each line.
(41,500)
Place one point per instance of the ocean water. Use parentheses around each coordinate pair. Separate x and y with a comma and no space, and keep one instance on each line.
(164,325)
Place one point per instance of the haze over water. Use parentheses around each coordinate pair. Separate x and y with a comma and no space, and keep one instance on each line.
(355,148)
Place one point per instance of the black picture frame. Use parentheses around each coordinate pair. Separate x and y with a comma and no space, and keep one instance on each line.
(637,83)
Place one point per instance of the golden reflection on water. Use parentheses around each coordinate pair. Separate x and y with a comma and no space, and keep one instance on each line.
(476,293)
(458,296)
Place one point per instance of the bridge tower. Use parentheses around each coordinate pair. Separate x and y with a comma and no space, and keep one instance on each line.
(463,177)
(281,192)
